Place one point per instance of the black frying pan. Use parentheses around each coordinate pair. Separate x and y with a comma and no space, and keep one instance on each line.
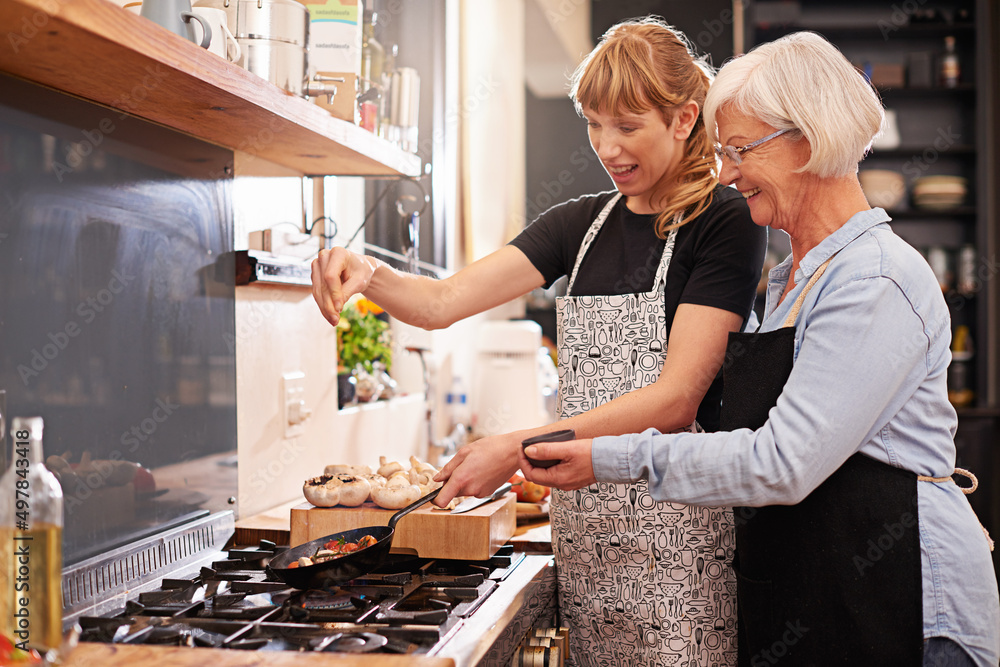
(337,571)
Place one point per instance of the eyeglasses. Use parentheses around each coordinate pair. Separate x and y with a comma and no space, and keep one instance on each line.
(735,154)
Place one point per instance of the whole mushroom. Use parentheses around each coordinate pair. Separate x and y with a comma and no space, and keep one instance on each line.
(322,491)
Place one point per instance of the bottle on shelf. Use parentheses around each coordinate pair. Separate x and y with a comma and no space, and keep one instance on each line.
(372,64)
(951,71)
(459,411)
(385,103)
(960,392)
(966,279)
(31,523)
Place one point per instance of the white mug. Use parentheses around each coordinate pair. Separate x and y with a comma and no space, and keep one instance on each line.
(223,42)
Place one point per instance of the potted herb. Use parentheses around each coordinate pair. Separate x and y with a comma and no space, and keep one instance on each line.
(363,338)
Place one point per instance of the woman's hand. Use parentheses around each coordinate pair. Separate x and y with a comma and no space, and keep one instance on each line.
(575,469)
(337,275)
(479,468)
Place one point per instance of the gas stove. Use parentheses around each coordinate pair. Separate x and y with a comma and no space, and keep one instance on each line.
(410,605)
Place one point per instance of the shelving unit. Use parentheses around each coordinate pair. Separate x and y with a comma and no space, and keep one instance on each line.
(97,51)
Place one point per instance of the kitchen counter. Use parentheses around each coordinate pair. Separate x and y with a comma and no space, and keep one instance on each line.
(118,655)
(503,620)
(534,538)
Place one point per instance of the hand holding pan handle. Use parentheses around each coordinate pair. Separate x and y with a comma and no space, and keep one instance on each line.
(554,436)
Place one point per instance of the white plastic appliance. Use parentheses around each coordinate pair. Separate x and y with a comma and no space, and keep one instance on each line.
(507,391)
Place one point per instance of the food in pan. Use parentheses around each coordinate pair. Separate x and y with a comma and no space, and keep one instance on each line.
(333,549)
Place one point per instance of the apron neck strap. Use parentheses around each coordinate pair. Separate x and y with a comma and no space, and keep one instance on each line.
(591,234)
(790,320)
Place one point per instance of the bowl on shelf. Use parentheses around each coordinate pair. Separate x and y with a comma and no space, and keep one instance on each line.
(882,187)
(939,192)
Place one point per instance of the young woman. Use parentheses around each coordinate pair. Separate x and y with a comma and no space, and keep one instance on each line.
(660,269)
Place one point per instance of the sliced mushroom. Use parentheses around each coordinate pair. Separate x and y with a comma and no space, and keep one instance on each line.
(322,491)
(354,490)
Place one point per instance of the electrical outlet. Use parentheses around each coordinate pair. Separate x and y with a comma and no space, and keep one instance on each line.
(293,395)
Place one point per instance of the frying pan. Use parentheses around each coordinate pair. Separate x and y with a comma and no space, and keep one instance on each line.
(337,571)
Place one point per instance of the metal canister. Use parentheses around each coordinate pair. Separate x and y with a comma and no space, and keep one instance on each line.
(278,20)
(281,63)
(273,36)
(404,108)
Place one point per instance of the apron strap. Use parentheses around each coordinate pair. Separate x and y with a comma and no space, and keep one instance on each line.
(790,320)
(659,280)
(958,471)
(589,237)
(965,489)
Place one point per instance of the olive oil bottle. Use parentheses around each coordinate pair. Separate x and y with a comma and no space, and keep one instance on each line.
(31,522)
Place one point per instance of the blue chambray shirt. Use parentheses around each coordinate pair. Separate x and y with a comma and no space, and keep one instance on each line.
(871,358)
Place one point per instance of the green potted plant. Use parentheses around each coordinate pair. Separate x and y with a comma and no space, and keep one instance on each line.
(363,338)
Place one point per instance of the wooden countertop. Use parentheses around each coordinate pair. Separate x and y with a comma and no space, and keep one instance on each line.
(89,654)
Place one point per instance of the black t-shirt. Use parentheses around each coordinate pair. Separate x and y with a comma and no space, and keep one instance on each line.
(717,259)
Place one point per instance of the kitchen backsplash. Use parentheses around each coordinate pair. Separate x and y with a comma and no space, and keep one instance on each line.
(118,292)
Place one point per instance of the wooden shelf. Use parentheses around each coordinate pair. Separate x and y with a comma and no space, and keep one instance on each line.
(978,413)
(97,51)
(927,91)
(912,151)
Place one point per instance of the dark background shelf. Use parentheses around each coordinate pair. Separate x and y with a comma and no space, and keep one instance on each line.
(866,30)
(923,214)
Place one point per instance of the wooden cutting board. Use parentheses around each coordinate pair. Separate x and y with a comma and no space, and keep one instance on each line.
(429,533)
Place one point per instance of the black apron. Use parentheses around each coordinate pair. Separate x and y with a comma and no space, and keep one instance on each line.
(835,579)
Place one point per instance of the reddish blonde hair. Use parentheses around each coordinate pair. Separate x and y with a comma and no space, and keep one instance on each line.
(646,64)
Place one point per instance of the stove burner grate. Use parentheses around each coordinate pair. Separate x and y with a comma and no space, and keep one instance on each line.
(410,605)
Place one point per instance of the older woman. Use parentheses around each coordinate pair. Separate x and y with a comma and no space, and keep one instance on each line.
(854,544)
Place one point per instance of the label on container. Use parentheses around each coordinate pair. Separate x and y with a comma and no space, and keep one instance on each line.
(335,28)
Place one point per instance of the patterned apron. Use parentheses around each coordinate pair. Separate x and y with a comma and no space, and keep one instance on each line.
(641,583)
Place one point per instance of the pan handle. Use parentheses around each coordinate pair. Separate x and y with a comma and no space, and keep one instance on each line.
(409,508)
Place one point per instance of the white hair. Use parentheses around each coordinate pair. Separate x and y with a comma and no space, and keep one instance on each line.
(802,82)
